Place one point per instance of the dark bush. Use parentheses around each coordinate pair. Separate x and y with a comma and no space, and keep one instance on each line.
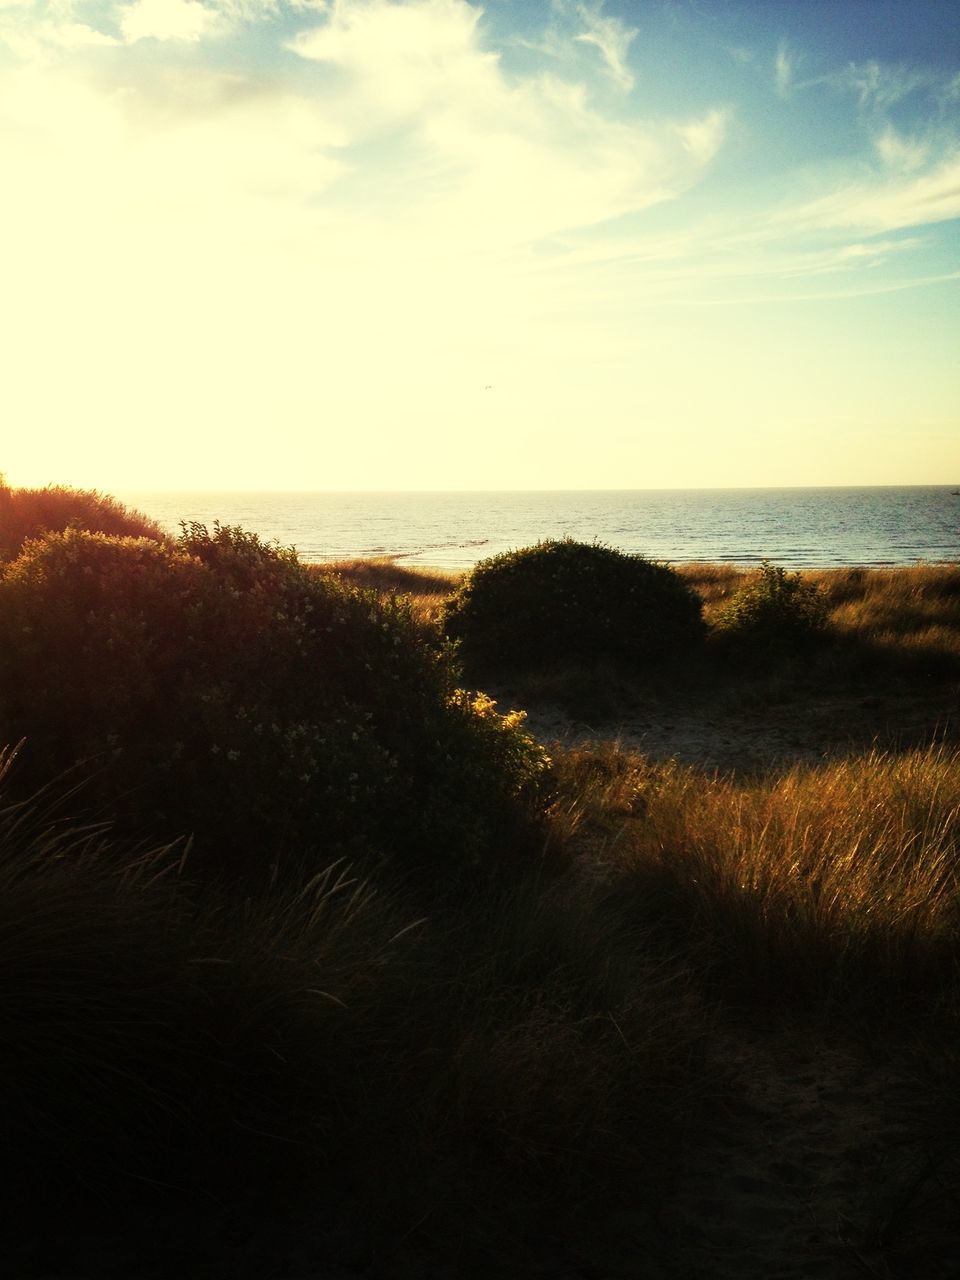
(565,602)
(226,692)
(776,612)
(30,513)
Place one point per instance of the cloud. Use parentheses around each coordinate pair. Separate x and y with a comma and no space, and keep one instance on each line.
(487,157)
(405,56)
(879,86)
(783,65)
(898,152)
(176,230)
(886,204)
(703,138)
(258,229)
(713,263)
(186,20)
(397,181)
(33,31)
(612,38)
(571,26)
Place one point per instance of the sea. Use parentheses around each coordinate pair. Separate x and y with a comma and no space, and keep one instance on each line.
(796,527)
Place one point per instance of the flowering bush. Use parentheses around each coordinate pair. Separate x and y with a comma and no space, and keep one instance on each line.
(566,602)
(227,691)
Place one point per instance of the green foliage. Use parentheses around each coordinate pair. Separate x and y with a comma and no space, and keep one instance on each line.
(775,611)
(31,513)
(227,692)
(566,602)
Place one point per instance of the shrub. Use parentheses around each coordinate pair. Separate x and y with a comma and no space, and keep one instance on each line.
(566,602)
(30,513)
(227,692)
(776,611)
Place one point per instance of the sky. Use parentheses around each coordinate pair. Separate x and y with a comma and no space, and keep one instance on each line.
(524,244)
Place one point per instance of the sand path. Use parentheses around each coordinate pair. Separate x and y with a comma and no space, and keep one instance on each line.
(762,735)
(817,1171)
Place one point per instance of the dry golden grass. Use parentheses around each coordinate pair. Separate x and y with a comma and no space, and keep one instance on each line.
(910,615)
(714,583)
(427,588)
(899,599)
(911,611)
(839,881)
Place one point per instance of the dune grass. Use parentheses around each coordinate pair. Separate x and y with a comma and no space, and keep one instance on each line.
(905,618)
(177,1048)
(911,615)
(427,588)
(836,887)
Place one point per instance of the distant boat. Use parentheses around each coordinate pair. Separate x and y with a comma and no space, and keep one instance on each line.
(955,493)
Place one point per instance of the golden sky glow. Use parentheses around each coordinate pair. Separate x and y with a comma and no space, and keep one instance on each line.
(432,245)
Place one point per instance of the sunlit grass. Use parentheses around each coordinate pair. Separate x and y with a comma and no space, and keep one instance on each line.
(426,587)
(899,598)
(836,883)
(911,613)
(714,583)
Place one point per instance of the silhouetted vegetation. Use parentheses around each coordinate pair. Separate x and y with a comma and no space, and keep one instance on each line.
(420,987)
(30,513)
(170,1049)
(563,602)
(223,691)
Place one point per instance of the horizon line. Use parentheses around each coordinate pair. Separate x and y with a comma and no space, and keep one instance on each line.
(946,484)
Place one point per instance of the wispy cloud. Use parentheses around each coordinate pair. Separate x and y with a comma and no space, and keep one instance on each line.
(885,204)
(611,37)
(783,70)
(900,152)
(875,86)
(508,160)
(879,86)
